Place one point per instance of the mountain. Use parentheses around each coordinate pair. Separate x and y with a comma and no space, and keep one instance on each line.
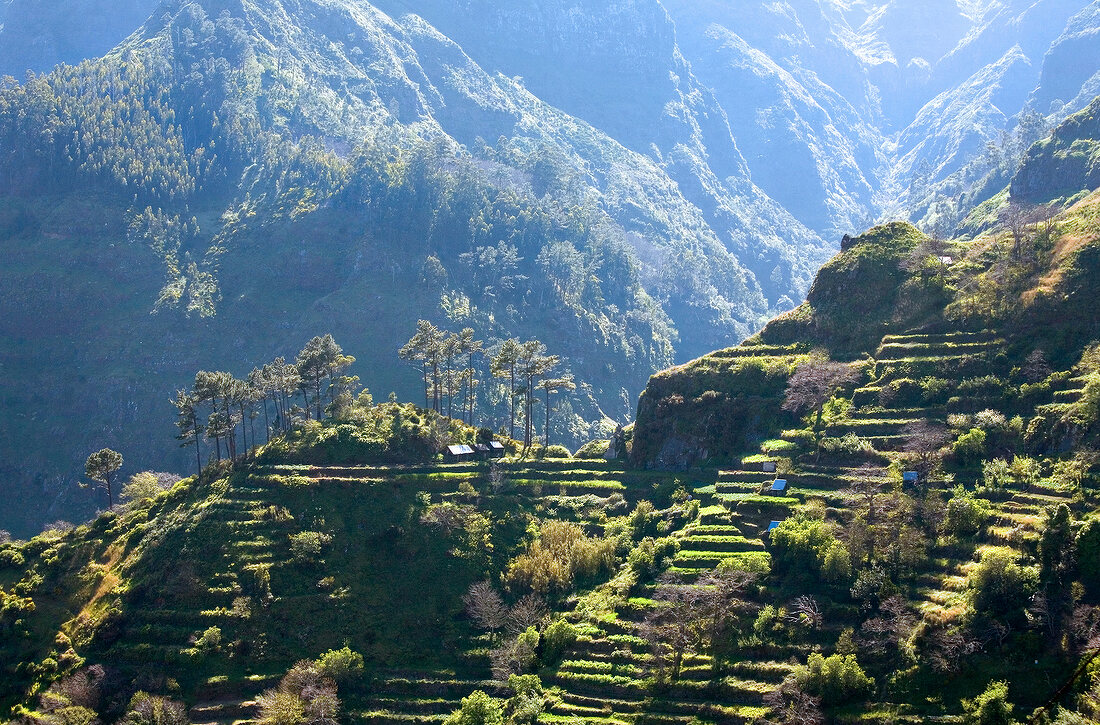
(912,312)
(275,171)
(647,180)
(1066,165)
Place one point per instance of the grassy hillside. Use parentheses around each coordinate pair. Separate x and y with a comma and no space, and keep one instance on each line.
(645,596)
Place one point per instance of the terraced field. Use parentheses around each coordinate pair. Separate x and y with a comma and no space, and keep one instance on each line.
(244,576)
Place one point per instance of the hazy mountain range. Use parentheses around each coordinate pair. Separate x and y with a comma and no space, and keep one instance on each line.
(721,148)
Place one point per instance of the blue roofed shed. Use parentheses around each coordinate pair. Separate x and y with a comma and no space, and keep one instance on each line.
(779,485)
(774,525)
(910,477)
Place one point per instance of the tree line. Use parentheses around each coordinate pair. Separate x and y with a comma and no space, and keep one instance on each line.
(220,406)
(447,365)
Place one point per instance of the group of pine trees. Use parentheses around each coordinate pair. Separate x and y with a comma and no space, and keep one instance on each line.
(447,365)
(219,404)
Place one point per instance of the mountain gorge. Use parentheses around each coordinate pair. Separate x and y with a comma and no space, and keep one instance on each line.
(634,183)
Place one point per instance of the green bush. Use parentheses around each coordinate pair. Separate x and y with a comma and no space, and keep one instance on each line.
(1022,471)
(307,545)
(528,702)
(849,447)
(651,556)
(836,679)
(1000,586)
(556,452)
(935,390)
(966,514)
(556,639)
(210,639)
(477,709)
(146,709)
(837,566)
(593,450)
(970,446)
(800,545)
(989,708)
(342,665)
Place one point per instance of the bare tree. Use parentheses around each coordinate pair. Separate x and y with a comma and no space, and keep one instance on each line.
(925,441)
(530,611)
(1036,367)
(813,383)
(792,705)
(1016,218)
(485,607)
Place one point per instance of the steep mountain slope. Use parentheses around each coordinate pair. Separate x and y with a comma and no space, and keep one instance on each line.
(1065,166)
(389,202)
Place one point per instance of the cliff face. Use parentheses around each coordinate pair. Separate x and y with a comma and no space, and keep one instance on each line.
(932,328)
(1065,165)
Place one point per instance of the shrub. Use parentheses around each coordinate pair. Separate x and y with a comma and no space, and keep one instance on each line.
(477,709)
(999,473)
(528,702)
(342,665)
(561,554)
(935,390)
(996,474)
(966,514)
(849,446)
(1000,586)
(556,639)
(989,708)
(970,446)
(307,545)
(651,556)
(800,545)
(593,450)
(210,639)
(556,452)
(278,707)
(836,679)
(146,709)
(837,566)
